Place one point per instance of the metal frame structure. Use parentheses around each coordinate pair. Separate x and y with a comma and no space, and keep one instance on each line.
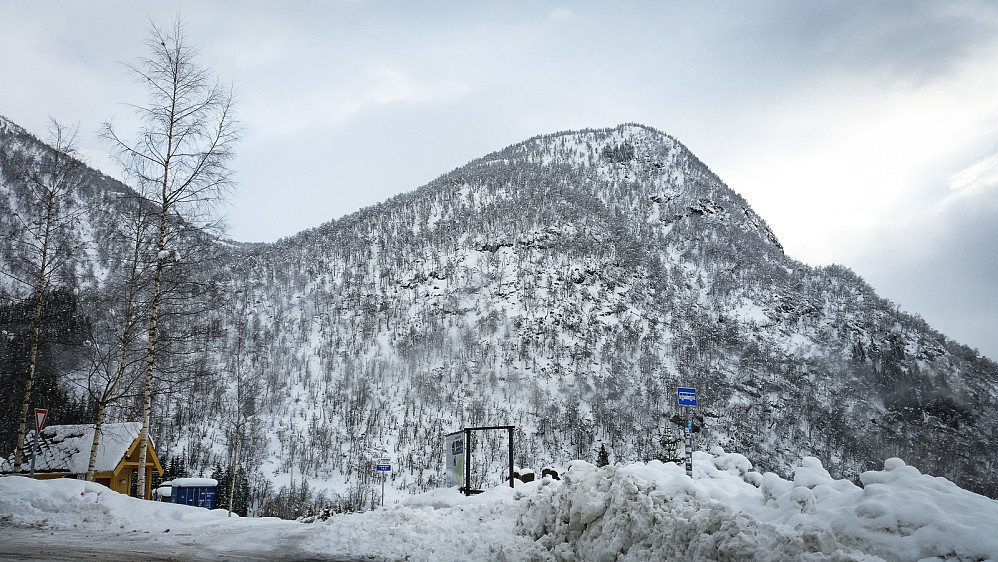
(467,455)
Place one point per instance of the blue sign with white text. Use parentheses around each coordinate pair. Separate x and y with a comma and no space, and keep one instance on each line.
(687,396)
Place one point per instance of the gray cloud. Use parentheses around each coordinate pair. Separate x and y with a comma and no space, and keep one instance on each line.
(943,266)
(823,114)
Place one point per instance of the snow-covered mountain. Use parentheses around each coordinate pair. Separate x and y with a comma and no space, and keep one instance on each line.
(567,285)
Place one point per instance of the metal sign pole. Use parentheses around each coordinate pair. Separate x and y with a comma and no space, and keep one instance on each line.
(34,453)
(687,399)
(510,430)
(467,461)
(382,467)
(689,441)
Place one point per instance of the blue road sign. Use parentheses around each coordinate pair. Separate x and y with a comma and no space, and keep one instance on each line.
(687,396)
(383,468)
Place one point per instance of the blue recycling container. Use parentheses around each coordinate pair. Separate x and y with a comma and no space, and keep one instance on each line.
(195,491)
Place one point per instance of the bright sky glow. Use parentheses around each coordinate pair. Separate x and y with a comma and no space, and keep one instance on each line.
(865,134)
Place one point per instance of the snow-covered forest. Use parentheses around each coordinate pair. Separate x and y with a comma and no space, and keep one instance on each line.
(565,285)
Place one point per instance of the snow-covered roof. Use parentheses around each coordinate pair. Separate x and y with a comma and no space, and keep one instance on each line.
(192,482)
(66,448)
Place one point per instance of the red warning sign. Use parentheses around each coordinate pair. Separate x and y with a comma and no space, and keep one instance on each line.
(40,416)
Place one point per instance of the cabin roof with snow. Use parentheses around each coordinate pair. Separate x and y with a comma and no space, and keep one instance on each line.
(66,448)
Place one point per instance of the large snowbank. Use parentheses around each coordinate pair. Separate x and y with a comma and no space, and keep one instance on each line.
(727,511)
(638,511)
(64,503)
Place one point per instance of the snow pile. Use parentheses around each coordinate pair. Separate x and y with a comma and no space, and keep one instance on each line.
(72,519)
(727,511)
(638,511)
(441,525)
(64,503)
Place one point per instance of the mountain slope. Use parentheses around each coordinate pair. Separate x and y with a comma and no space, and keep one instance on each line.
(566,285)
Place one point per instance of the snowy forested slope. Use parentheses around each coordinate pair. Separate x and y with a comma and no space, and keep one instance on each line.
(565,285)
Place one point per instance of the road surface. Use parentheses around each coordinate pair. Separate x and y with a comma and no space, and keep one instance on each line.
(20,543)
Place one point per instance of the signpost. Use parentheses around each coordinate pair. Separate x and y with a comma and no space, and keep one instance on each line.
(382,467)
(688,399)
(40,415)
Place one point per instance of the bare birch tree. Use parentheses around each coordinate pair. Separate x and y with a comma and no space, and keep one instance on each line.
(51,180)
(179,160)
(113,353)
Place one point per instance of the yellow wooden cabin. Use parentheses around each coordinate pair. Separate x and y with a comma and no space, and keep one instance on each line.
(64,452)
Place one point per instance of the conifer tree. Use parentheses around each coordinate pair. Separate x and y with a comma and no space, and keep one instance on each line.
(604,458)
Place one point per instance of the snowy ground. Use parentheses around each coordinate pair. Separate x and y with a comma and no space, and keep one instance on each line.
(627,512)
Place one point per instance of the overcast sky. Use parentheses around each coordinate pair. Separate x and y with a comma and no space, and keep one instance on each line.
(865,133)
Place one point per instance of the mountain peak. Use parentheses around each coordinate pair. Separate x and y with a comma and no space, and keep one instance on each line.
(638,141)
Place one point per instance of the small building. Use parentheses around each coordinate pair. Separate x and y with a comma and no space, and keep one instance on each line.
(194,491)
(64,452)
